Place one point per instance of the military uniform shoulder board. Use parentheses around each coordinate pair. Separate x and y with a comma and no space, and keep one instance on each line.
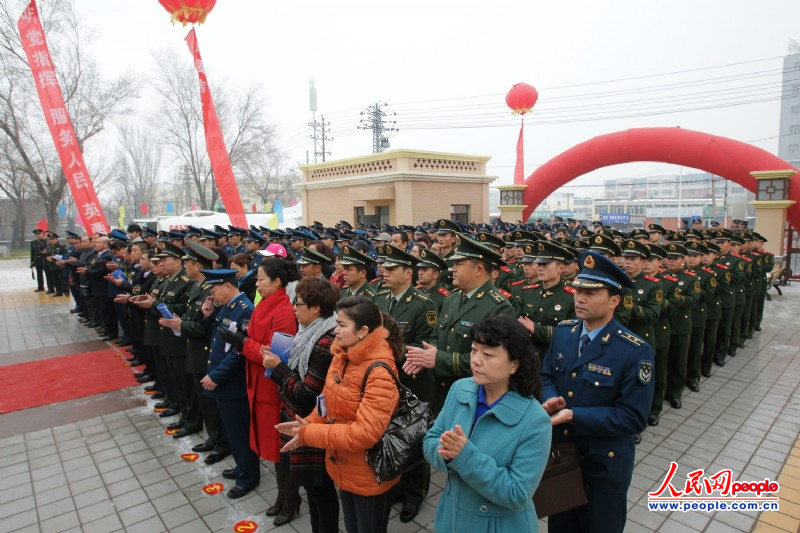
(534,286)
(690,272)
(443,291)
(418,286)
(747,258)
(516,283)
(651,278)
(755,253)
(505,293)
(499,298)
(384,292)
(185,278)
(420,296)
(505,269)
(629,337)
(568,322)
(723,267)
(375,280)
(569,289)
(670,278)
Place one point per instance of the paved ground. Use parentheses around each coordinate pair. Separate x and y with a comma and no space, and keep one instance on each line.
(104,464)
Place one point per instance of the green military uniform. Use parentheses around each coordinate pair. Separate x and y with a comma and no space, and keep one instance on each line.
(755,287)
(749,286)
(460,312)
(438,292)
(447,226)
(708,290)
(545,306)
(768,263)
(662,333)
(727,266)
(53,271)
(351,256)
(416,315)
(682,301)
(645,297)
(740,277)
(714,313)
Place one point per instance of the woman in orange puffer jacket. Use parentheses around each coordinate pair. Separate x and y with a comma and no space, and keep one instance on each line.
(352,423)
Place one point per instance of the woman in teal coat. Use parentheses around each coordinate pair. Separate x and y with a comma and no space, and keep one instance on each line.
(492,436)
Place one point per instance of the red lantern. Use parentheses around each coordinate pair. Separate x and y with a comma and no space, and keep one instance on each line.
(188,11)
(144,208)
(521,98)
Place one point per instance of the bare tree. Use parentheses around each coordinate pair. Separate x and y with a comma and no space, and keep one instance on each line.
(90,99)
(249,137)
(15,184)
(137,164)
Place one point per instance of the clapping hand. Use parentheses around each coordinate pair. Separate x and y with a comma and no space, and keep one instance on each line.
(527,323)
(173,323)
(424,357)
(452,442)
(292,429)
(554,404)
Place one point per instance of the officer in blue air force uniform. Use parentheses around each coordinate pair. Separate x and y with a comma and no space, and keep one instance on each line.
(225,377)
(597,385)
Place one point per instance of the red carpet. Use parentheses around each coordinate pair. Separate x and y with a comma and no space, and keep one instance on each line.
(47,381)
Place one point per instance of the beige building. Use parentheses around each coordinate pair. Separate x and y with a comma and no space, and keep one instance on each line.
(397,187)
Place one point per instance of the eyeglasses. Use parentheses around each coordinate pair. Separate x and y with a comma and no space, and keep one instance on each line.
(297,303)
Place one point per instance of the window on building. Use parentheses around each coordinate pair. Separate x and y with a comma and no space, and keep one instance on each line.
(795,109)
(794,129)
(459,213)
(794,148)
(359,215)
(382,211)
(796,88)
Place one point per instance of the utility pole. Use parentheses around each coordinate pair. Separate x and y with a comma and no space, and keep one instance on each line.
(325,129)
(319,131)
(374,118)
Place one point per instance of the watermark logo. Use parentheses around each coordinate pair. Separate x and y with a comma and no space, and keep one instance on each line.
(709,493)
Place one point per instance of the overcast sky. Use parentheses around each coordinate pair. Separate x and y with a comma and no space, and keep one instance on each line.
(442,63)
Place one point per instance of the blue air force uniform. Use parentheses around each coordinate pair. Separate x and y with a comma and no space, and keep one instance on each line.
(606,378)
(227,370)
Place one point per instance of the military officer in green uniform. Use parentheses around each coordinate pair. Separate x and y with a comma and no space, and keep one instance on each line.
(682,300)
(541,306)
(749,283)
(429,268)
(416,314)
(523,238)
(754,285)
(530,276)
(356,265)
(714,309)
(652,268)
(446,237)
(53,271)
(708,289)
(769,264)
(604,244)
(174,294)
(505,276)
(727,266)
(474,299)
(740,276)
(646,295)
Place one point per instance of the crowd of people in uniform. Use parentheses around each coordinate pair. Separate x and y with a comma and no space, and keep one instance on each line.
(612,325)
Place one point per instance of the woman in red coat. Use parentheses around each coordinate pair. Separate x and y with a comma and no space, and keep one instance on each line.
(273,313)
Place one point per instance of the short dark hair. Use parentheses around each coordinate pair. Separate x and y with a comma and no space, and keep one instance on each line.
(403,235)
(505,331)
(134,227)
(141,245)
(241,259)
(279,268)
(318,292)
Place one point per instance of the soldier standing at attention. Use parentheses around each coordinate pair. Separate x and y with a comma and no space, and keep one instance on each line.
(474,299)
(708,289)
(356,267)
(38,246)
(682,300)
(530,276)
(769,264)
(429,268)
(754,286)
(647,293)
(714,308)
(597,384)
(416,315)
(726,265)
(505,276)
(446,238)
(740,276)
(652,268)
(543,305)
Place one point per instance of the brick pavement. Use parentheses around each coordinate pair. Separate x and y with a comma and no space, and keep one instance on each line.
(118,471)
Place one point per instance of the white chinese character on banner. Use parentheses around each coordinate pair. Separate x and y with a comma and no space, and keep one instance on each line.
(65,138)
(28,15)
(203,86)
(47,78)
(80,180)
(35,38)
(91,210)
(198,64)
(41,59)
(98,227)
(58,116)
(73,160)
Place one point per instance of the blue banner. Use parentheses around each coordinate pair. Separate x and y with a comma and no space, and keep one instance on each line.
(170,208)
(62,210)
(615,218)
(278,209)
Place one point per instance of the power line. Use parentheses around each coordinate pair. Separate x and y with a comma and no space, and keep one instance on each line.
(374,118)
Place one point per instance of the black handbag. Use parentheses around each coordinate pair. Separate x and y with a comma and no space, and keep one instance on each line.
(561,487)
(400,447)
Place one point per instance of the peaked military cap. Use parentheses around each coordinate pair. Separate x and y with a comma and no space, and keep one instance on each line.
(471,249)
(696,248)
(655,228)
(72,235)
(721,235)
(604,244)
(447,226)
(599,272)
(197,252)
(712,247)
(638,233)
(490,240)
(675,250)
(394,256)
(118,235)
(220,275)
(256,237)
(428,259)
(351,256)
(633,248)
(547,251)
(171,250)
(312,257)
(657,251)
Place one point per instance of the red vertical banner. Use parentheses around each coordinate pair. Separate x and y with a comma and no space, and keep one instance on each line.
(215,144)
(519,169)
(59,121)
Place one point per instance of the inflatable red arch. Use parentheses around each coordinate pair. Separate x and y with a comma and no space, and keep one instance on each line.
(730,159)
